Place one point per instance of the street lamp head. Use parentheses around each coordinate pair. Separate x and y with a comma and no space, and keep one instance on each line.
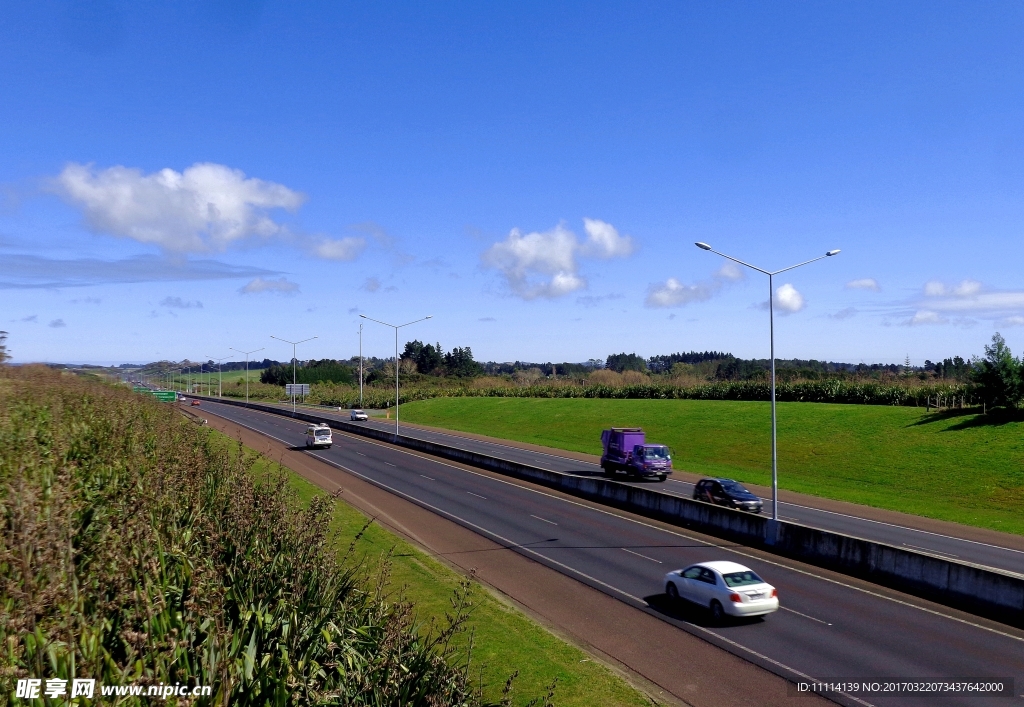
(702,245)
(430,316)
(833,252)
(363,316)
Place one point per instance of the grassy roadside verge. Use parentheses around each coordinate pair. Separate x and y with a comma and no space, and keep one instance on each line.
(504,639)
(964,468)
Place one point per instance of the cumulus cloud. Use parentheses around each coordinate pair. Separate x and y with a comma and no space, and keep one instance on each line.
(865,283)
(179,303)
(788,299)
(343,249)
(57,324)
(1013,321)
(966,288)
(204,208)
(545,264)
(971,297)
(281,286)
(372,284)
(926,316)
(603,241)
(673,293)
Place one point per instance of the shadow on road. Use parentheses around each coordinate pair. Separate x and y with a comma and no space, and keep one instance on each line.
(689,612)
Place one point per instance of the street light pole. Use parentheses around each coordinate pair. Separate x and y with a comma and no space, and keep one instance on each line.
(246,368)
(360,365)
(771,329)
(294,344)
(396,327)
(220,376)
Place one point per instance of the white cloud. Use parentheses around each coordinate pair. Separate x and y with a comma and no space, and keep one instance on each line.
(934,289)
(673,293)
(603,241)
(206,207)
(280,286)
(865,283)
(969,296)
(788,299)
(544,264)
(1013,321)
(347,248)
(926,316)
(179,303)
(58,324)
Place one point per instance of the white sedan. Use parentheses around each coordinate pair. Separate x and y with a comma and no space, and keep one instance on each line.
(724,588)
(358,414)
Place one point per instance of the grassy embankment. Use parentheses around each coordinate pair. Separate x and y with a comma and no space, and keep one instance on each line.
(504,640)
(966,468)
(136,547)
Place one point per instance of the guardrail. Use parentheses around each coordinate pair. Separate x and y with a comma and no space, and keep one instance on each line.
(984,591)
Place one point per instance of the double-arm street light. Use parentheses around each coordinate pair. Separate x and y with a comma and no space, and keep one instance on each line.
(246,368)
(220,377)
(294,344)
(396,327)
(771,329)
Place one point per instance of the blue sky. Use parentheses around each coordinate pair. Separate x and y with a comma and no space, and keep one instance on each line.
(180,178)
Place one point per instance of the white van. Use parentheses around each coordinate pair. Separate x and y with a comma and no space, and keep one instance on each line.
(318,436)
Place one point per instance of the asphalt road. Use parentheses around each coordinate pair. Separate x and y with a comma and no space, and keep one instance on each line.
(948,546)
(828,628)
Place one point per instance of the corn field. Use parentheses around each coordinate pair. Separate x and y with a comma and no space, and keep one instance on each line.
(133,549)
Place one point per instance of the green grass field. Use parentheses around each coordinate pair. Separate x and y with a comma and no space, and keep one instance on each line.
(504,639)
(965,468)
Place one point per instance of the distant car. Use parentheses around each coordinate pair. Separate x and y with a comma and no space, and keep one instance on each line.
(181,398)
(195,402)
(358,414)
(723,588)
(318,436)
(726,492)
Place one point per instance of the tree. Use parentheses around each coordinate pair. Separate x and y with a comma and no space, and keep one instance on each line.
(999,376)
(460,363)
(626,362)
(428,358)
(4,356)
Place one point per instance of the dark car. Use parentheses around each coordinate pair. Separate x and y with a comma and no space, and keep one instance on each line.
(726,492)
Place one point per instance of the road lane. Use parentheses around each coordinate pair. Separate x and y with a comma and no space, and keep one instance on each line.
(835,629)
(943,545)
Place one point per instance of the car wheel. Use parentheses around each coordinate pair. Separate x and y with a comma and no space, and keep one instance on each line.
(662,477)
(608,471)
(672,592)
(717,612)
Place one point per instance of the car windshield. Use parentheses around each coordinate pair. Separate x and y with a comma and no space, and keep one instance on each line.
(656,452)
(741,579)
(358,412)
(733,487)
(323,433)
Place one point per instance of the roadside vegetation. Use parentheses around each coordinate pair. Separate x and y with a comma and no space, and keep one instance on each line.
(956,465)
(425,372)
(135,548)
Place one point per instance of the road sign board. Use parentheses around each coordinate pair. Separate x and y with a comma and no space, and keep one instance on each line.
(296,388)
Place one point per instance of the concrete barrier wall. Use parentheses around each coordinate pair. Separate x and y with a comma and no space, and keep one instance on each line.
(987,592)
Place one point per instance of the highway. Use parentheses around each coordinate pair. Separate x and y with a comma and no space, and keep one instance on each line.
(946,546)
(828,628)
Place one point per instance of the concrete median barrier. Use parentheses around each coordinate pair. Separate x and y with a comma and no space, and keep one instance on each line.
(980,590)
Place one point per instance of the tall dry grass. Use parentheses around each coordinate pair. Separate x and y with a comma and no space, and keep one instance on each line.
(134,550)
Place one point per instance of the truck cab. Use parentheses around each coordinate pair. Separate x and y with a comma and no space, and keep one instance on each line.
(627,451)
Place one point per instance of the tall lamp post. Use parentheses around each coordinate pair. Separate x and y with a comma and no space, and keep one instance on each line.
(360,365)
(246,368)
(294,344)
(771,328)
(396,327)
(220,377)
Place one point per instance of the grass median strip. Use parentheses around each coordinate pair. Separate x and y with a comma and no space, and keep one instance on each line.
(957,466)
(504,640)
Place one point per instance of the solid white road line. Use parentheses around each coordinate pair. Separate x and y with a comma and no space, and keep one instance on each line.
(477,495)
(643,556)
(428,477)
(806,616)
(543,519)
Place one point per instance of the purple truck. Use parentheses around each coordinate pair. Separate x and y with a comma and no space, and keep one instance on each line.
(625,450)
